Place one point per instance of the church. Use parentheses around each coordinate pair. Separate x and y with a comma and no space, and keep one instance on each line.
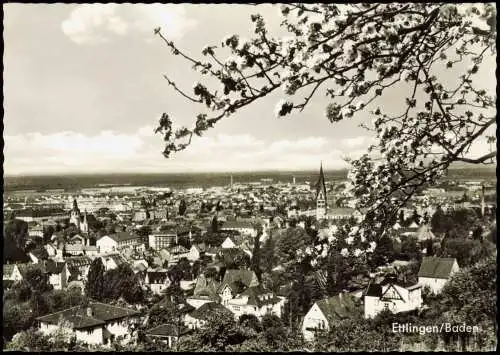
(321,201)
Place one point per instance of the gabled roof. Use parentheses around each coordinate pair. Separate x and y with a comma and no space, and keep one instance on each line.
(438,268)
(206,288)
(167,330)
(259,296)
(101,313)
(78,261)
(178,249)
(232,278)
(156,277)
(337,307)
(52,267)
(122,236)
(237,225)
(209,309)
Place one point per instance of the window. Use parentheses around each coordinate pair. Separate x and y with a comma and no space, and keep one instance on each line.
(237,308)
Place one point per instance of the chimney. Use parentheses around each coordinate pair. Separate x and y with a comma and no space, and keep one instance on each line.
(89,311)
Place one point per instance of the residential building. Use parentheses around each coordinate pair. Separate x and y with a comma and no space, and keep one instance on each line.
(325,313)
(435,272)
(205,291)
(235,282)
(392,297)
(157,280)
(257,301)
(169,334)
(98,323)
(113,242)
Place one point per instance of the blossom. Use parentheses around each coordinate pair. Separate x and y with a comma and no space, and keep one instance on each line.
(308,251)
(314,262)
(332,238)
(324,253)
(344,252)
(357,252)
(349,240)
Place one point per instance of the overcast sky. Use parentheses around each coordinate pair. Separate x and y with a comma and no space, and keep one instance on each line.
(83,91)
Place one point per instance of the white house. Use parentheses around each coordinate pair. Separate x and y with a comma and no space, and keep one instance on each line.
(323,314)
(435,272)
(256,301)
(12,272)
(113,242)
(391,297)
(112,261)
(98,323)
(196,251)
(244,226)
(157,281)
(205,291)
(235,282)
(228,243)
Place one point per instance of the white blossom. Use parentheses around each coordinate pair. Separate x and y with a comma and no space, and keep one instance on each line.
(357,252)
(308,251)
(349,240)
(344,252)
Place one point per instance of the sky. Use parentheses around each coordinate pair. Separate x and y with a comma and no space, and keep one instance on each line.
(84,89)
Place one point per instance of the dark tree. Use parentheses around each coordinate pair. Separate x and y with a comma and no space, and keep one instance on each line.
(182,207)
(94,286)
(256,254)
(214,227)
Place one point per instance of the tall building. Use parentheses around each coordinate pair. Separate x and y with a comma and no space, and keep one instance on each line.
(76,218)
(321,202)
(75,215)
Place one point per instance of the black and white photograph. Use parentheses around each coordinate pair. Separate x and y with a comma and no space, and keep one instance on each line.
(249,177)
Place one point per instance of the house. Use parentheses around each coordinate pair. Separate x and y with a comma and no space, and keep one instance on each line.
(113,242)
(198,318)
(205,291)
(257,301)
(228,243)
(98,323)
(392,297)
(196,251)
(112,261)
(51,250)
(235,282)
(157,280)
(245,227)
(169,334)
(435,272)
(35,230)
(176,253)
(58,273)
(325,313)
(12,272)
(78,267)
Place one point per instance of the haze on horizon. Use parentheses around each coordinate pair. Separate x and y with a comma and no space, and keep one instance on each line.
(87,97)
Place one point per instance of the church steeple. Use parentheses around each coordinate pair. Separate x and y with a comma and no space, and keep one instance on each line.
(321,202)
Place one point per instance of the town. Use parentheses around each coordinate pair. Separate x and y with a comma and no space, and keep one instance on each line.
(125,267)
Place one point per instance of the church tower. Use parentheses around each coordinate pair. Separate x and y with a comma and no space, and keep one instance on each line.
(84,226)
(321,203)
(75,215)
